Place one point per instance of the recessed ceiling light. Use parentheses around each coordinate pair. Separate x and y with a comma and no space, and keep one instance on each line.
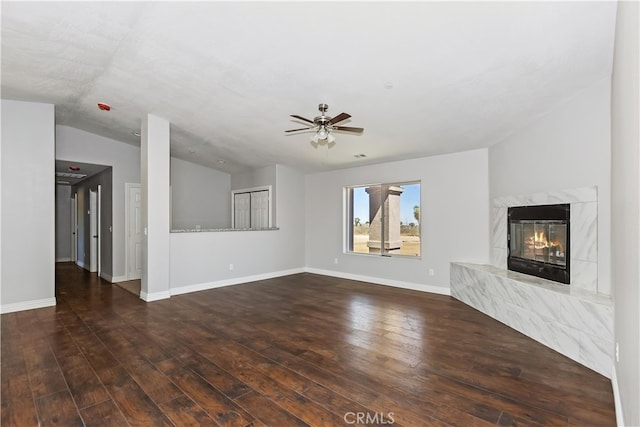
(359,156)
(220,161)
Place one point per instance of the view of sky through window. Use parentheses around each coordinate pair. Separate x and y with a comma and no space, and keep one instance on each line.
(410,198)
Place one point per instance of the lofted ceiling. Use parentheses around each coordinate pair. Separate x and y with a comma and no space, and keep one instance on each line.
(422,78)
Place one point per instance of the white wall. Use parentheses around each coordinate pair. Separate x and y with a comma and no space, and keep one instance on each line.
(201,260)
(199,196)
(567,148)
(63,223)
(254,178)
(625,210)
(28,209)
(454,218)
(80,146)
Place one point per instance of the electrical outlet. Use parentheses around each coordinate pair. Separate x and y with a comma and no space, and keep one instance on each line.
(432,272)
(230,267)
(617,353)
(335,260)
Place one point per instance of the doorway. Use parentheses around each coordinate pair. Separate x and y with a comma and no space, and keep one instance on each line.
(84,227)
(74,228)
(93,231)
(95,203)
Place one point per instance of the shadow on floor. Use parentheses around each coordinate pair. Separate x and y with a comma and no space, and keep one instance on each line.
(132,286)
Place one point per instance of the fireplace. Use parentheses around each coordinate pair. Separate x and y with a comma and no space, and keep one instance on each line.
(538,241)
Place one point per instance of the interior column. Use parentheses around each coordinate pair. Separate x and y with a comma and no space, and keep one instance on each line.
(154,183)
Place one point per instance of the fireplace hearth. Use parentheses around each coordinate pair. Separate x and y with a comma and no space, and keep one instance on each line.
(538,241)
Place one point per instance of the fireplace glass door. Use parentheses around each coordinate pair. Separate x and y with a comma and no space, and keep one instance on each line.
(539,240)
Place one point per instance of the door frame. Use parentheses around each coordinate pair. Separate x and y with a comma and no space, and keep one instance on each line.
(93,228)
(128,186)
(74,227)
(99,229)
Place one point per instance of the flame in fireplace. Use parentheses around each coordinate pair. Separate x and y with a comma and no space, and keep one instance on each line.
(539,241)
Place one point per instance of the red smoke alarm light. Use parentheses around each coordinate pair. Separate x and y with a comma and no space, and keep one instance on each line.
(74,168)
(104,107)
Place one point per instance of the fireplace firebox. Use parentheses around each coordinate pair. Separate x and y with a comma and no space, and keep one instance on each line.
(538,241)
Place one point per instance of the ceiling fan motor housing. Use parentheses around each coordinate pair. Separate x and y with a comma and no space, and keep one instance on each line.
(322,120)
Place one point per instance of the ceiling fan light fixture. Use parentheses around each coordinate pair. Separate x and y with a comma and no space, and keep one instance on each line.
(322,133)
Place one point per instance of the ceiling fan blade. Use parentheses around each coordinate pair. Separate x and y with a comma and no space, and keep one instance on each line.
(302,118)
(348,129)
(340,117)
(295,130)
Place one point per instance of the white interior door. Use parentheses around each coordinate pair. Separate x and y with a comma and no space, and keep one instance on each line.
(242,210)
(133,222)
(93,231)
(74,227)
(260,209)
(99,230)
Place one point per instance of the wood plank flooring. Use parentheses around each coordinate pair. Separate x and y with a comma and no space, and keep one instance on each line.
(301,350)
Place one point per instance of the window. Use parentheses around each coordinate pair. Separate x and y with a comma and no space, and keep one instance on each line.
(384,219)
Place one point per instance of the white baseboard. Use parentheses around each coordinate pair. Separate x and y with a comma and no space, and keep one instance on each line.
(155,296)
(441,290)
(369,279)
(234,281)
(64,259)
(616,397)
(113,279)
(27,305)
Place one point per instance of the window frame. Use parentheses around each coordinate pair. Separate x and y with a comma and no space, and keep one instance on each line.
(349,217)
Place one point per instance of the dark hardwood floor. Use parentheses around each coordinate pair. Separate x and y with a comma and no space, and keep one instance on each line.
(292,351)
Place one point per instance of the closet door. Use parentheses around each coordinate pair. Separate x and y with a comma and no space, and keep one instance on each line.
(242,210)
(260,209)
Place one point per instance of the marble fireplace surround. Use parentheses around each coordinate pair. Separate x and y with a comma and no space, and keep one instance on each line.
(574,320)
(584,230)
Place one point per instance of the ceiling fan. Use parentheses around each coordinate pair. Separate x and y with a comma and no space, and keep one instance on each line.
(323,125)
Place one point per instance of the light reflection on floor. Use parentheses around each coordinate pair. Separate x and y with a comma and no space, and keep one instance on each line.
(378,332)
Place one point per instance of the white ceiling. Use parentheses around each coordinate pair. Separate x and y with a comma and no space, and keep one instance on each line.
(67,167)
(422,78)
